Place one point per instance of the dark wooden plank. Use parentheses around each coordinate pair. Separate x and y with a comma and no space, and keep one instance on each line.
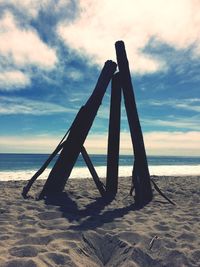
(78,133)
(100,186)
(143,190)
(44,166)
(114,137)
(161,193)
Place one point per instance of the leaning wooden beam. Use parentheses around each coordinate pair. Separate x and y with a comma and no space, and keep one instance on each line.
(161,193)
(40,171)
(78,133)
(135,175)
(143,190)
(44,166)
(113,137)
(100,186)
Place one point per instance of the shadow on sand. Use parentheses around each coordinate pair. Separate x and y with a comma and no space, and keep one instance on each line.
(93,215)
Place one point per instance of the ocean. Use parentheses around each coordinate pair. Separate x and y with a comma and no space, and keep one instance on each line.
(23,166)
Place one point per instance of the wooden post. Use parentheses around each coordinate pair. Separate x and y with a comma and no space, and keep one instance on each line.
(100,186)
(41,170)
(44,166)
(78,133)
(143,190)
(113,137)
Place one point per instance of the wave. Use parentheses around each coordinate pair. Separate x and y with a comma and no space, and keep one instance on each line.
(124,171)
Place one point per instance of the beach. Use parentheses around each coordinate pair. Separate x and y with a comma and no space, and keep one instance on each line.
(79,228)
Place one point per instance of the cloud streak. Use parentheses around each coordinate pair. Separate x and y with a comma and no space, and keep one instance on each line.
(173,143)
(20,105)
(177,123)
(24,45)
(28,6)
(191,104)
(157,143)
(101,23)
(13,80)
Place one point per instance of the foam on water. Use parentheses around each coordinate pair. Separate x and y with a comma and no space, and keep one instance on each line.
(83,172)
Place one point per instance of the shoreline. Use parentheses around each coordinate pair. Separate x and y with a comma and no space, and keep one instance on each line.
(79,172)
(80,229)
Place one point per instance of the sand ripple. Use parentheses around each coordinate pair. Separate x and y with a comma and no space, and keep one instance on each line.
(80,229)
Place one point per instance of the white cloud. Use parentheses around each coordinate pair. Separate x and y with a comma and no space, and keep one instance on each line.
(61,4)
(24,46)
(156,143)
(20,105)
(29,6)
(77,97)
(173,143)
(192,104)
(101,23)
(191,123)
(32,8)
(37,144)
(13,80)
(74,74)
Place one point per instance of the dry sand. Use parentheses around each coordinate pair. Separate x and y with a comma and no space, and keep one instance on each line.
(80,229)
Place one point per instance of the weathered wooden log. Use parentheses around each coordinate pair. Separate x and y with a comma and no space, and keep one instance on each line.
(78,133)
(161,193)
(143,190)
(114,137)
(44,166)
(41,170)
(100,186)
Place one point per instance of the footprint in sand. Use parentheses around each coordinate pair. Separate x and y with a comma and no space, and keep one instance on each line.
(187,236)
(20,263)
(49,215)
(162,227)
(57,259)
(24,251)
(196,256)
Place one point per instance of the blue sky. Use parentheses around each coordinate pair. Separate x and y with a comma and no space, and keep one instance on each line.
(52,53)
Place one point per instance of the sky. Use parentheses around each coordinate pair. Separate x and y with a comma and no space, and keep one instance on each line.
(52,52)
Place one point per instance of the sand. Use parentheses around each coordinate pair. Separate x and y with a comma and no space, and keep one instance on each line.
(81,229)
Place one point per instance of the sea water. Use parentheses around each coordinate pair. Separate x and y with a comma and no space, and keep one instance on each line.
(23,166)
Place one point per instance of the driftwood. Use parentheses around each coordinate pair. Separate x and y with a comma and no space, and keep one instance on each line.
(72,145)
(113,137)
(157,189)
(44,166)
(78,133)
(152,241)
(100,186)
(161,193)
(134,174)
(143,190)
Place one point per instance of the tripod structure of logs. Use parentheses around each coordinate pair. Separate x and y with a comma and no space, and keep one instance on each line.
(72,143)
